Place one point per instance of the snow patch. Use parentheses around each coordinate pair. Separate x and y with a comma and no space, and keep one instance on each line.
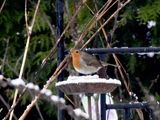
(78,112)
(30,85)
(54,98)
(1,77)
(62,100)
(17,82)
(46,92)
(36,87)
(151,24)
(88,79)
(150,54)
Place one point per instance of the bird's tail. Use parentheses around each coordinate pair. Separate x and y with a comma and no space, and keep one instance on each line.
(108,64)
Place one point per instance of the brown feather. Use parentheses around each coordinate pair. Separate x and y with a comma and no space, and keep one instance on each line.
(90,60)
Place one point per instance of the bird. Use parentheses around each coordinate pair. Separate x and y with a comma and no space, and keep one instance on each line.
(85,63)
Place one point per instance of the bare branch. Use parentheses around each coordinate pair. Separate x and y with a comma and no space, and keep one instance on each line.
(7,106)
(18,62)
(5,54)
(115,21)
(46,95)
(53,31)
(105,22)
(8,65)
(2,5)
(26,50)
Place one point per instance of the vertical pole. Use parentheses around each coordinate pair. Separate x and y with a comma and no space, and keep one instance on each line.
(89,107)
(127,114)
(103,106)
(152,117)
(60,49)
(102,74)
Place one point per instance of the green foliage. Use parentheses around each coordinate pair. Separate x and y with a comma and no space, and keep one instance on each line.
(149,11)
(84,16)
(12,24)
(40,42)
(26,99)
(132,62)
(127,16)
(49,109)
(40,25)
(131,32)
(157,96)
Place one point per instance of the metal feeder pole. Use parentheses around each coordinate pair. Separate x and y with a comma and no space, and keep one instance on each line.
(102,74)
(60,49)
(89,106)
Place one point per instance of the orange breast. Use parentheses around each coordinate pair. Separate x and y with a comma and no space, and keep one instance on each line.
(75,60)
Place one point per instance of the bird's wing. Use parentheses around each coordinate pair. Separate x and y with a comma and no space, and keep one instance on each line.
(91,60)
(95,63)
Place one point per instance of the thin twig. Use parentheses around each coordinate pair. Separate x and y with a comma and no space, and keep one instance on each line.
(100,21)
(26,49)
(5,54)
(47,58)
(37,107)
(96,18)
(26,17)
(68,16)
(7,106)
(58,71)
(115,21)
(46,94)
(18,61)
(10,68)
(2,5)
(30,106)
(153,82)
(59,39)
(105,23)
(13,106)
(116,59)
(91,23)
(45,19)
(39,112)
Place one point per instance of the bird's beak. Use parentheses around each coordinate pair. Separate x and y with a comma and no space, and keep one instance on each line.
(71,50)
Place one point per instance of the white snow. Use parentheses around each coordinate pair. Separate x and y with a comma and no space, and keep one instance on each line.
(46,91)
(150,54)
(141,53)
(57,99)
(29,29)
(1,77)
(151,24)
(62,100)
(110,114)
(17,82)
(36,87)
(54,98)
(78,112)
(83,77)
(88,79)
(30,85)
(44,60)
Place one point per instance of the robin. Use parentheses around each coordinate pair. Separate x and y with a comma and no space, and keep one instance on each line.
(85,63)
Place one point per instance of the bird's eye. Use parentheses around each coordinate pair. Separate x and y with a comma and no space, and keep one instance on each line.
(76,51)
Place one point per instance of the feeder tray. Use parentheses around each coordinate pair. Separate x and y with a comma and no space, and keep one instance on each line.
(87,85)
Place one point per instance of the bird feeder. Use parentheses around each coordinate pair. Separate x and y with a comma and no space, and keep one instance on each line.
(87,85)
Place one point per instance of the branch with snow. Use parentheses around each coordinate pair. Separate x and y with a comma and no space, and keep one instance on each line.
(45,94)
